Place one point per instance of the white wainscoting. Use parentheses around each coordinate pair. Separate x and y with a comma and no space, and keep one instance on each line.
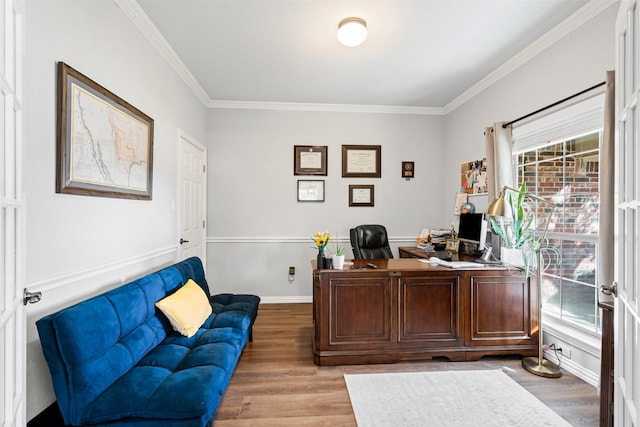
(260,265)
(120,269)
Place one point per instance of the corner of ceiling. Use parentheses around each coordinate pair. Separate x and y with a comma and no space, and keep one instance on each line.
(583,15)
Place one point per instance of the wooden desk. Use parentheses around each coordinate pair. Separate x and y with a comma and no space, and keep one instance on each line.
(406,309)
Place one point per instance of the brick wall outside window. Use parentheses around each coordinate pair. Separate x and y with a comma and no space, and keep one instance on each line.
(567,173)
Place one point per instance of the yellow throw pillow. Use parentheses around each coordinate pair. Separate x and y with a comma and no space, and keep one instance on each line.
(186,309)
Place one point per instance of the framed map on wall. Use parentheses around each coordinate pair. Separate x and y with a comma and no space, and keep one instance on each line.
(104,144)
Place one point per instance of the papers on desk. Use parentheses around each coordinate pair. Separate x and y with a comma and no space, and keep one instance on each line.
(439,236)
(453,264)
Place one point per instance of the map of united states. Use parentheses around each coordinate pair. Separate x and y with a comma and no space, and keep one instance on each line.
(109,147)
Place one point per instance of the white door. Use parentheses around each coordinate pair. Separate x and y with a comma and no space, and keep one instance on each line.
(193,198)
(12,313)
(627,201)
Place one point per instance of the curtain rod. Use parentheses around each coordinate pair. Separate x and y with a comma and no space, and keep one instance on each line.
(554,104)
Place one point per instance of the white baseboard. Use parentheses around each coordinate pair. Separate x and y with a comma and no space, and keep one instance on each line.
(286,300)
(570,366)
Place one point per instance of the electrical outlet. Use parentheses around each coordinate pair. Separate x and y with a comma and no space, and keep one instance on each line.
(566,352)
(292,270)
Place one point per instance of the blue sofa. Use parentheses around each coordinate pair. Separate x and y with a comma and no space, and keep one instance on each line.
(115,359)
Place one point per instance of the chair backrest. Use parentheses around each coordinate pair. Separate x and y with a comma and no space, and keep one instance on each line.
(370,242)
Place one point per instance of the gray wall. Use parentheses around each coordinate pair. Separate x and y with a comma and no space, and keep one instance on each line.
(77,246)
(257,229)
(576,62)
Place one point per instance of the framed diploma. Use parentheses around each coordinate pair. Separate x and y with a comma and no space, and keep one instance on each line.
(309,160)
(361,161)
(310,191)
(361,195)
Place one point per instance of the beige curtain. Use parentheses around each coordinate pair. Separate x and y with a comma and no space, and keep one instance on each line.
(499,161)
(607,177)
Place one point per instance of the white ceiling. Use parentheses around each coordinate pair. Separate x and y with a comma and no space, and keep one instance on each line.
(424,54)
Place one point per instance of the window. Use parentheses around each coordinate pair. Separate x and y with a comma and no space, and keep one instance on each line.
(558,157)
(567,172)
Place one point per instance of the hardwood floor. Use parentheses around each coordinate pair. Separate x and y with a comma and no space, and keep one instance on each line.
(277,384)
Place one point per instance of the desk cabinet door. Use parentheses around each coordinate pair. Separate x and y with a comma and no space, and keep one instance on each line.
(360,310)
(429,310)
(502,311)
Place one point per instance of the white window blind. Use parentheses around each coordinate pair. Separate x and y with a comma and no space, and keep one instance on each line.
(581,118)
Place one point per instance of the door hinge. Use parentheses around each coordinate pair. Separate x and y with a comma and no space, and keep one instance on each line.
(204,168)
(203,224)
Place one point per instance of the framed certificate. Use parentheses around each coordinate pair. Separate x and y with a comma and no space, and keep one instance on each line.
(361,195)
(309,160)
(310,190)
(361,161)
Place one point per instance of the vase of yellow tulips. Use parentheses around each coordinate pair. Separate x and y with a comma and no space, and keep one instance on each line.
(321,240)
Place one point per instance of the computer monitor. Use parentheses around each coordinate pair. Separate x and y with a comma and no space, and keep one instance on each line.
(473,229)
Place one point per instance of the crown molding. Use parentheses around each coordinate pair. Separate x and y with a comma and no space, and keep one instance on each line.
(339,108)
(133,10)
(566,27)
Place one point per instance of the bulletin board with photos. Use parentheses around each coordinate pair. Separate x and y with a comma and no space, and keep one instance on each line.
(473,177)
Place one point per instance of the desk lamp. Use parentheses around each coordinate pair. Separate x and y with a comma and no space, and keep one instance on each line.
(500,207)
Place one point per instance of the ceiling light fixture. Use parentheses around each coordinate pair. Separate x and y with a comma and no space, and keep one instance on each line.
(352,31)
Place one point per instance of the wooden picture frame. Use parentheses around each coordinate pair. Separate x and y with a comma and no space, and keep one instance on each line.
(104,144)
(361,195)
(453,245)
(310,160)
(408,169)
(310,190)
(361,161)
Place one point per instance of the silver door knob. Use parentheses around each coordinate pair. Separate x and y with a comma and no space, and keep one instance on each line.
(610,289)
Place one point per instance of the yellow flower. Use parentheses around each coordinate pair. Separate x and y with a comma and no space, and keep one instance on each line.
(321,239)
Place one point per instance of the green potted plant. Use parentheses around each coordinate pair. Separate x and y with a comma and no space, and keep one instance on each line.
(338,254)
(517,233)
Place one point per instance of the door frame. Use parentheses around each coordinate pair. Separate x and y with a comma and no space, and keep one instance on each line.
(626,274)
(13,371)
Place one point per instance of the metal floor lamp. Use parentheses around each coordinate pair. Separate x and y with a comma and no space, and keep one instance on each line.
(500,207)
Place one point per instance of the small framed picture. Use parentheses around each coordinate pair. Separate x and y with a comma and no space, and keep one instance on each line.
(310,190)
(408,169)
(310,160)
(361,195)
(453,245)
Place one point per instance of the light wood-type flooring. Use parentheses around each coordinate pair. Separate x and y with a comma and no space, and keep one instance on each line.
(277,384)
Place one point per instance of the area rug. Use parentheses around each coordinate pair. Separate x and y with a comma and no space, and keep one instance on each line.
(448,398)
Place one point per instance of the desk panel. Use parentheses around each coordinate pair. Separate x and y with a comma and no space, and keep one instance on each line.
(406,310)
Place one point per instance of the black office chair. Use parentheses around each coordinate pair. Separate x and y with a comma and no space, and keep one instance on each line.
(370,242)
